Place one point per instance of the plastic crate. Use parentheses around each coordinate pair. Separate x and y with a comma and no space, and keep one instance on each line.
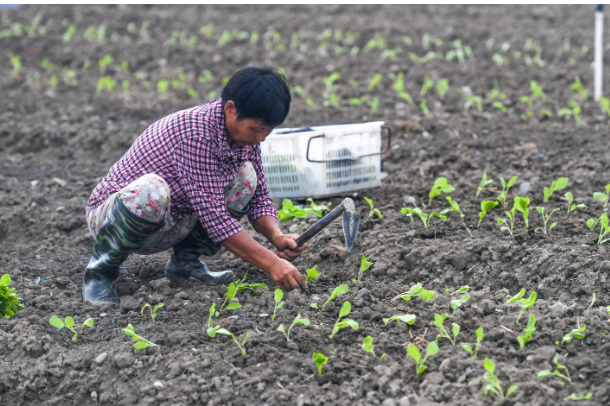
(323,161)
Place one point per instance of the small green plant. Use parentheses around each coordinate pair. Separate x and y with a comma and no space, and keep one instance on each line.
(367,346)
(525,303)
(15,62)
(416,290)
(442,86)
(399,87)
(505,188)
(290,210)
(277,296)
(373,209)
(212,330)
(140,342)
(413,352)
(573,111)
(10,303)
(544,373)
(338,291)
(572,207)
(510,223)
(339,324)
(484,183)
(593,299)
(603,228)
(426,86)
(591,223)
(582,396)
(473,354)
(603,197)
(457,303)
(153,310)
(527,332)
(462,289)
(455,206)
(500,106)
(576,333)
(440,186)
(297,320)
(471,99)
(364,265)
(320,360)
(162,86)
(68,322)
(579,87)
(425,218)
(545,219)
(439,320)
(494,384)
(486,205)
(375,80)
(239,286)
(405,318)
(104,63)
(558,184)
(312,274)
(241,346)
(104,83)
(521,205)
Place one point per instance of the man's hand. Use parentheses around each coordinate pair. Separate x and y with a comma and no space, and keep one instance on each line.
(286,275)
(287,246)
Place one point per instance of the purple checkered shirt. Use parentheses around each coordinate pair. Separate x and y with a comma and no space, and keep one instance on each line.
(189,150)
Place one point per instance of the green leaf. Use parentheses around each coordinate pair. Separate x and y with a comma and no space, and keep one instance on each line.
(510,390)
(479,333)
(233,306)
(456,329)
(544,373)
(89,323)
(467,348)
(314,306)
(278,295)
(311,274)
(211,332)
(140,345)
(516,297)
(56,322)
(5,280)
(561,183)
(432,349)
(69,321)
(413,352)
(320,360)
(281,328)
(489,365)
(224,331)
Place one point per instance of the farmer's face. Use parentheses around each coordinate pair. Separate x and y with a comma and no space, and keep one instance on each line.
(246,131)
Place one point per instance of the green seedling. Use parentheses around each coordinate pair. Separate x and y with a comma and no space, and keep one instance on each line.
(277,296)
(367,346)
(10,303)
(494,384)
(212,330)
(486,205)
(140,342)
(573,111)
(290,210)
(413,352)
(162,86)
(582,396)
(516,297)
(603,228)
(576,333)
(473,353)
(364,265)
(500,106)
(591,223)
(405,318)
(558,184)
(440,185)
(593,299)
(455,304)
(505,188)
(320,360)
(544,373)
(312,274)
(68,322)
(338,291)
(399,87)
(510,223)
(442,86)
(297,320)
(484,183)
(471,99)
(545,219)
(241,346)
(439,320)
(426,86)
(578,86)
(462,289)
(104,63)
(153,310)
(15,62)
(527,332)
(416,290)
(339,324)
(425,218)
(572,207)
(373,209)
(602,197)
(527,304)
(521,205)
(455,206)
(239,286)
(375,80)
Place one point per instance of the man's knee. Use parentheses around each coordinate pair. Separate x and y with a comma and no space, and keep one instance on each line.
(147,196)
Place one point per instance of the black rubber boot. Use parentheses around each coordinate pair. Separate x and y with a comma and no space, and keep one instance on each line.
(121,234)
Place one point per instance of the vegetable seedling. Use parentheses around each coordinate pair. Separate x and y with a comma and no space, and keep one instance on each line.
(297,320)
(603,197)
(510,223)
(521,205)
(505,188)
(486,205)
(462,289)
(572,207)
(405,318)
(312,274)
(484,183)
(290,210)
(576,333)
(338,291)
(559,184)
(277,296)
(367,346)
(439,320)
(68,322)
(440,186)
(339,324)
(494,384)
(425,218)
(364,265)
(416,290)
(320,360)
(545,219)
(527,332)
(473,354)
(413,352)
(574,111)
(455,206)
(153,310)
(140,342)
(527,304)
(373,209)
(442,86)
(603,229)
(582,396)
(593,299)
(591,223)
(242,346)
(10,303)
(211,330)
(544,373)
(455,304)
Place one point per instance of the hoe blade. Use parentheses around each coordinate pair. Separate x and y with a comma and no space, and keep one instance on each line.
(351,222)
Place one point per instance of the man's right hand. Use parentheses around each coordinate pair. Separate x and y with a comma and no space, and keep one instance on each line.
(287,275)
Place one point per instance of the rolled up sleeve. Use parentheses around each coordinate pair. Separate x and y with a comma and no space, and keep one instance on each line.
(260,204)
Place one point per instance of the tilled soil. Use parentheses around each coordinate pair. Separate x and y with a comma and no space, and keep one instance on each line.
(58,143)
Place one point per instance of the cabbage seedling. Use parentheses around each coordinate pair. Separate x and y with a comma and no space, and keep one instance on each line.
(597,196)
(425,218)
(290,210)
(68,323)
(544,373)
(374,82)
(455,304)
(373,209)
(603,229)
(242,346)
(505,188)
(516,297)
(278,295)
(579,397)
(593,299)
(455,206)
(558,184)
(364,265)
(367,346)
(10,303)
(574,111)
(527,304)
(312,274)
(545,219)
(572,207)
(399,87)
(442,86)
(416,290)
(473,354)
(591,223)
(576,333)
(212,330)
(439,320)
(462,289)
(140,342)
(405,318)
(494,384)
(440,185)
(339,324)
(521,205)
(153,310)
(426,86)
(320,360)
(297,320)
(509,225)
(527,332)
(578,86)
(486,205)
(338,291)
(484,183)
(413,352)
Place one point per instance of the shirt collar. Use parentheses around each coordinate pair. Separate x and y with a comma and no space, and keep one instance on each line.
(240,153)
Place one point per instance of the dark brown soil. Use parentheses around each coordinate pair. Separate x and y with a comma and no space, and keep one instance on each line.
(57,144)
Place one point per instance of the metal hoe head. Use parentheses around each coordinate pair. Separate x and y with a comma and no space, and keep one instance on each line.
(351,223)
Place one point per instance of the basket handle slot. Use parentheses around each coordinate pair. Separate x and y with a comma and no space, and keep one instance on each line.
(383,151)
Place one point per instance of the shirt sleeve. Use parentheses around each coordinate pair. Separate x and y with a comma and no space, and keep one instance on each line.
(260,204)
(198,166)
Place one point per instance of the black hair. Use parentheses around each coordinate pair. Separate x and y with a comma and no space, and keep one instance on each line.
(259,93)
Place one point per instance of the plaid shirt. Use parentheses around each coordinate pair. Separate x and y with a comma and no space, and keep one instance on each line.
(189,150)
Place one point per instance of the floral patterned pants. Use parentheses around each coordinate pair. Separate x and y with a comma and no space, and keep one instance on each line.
(149,198)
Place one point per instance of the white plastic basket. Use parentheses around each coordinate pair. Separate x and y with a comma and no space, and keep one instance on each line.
(323,161)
